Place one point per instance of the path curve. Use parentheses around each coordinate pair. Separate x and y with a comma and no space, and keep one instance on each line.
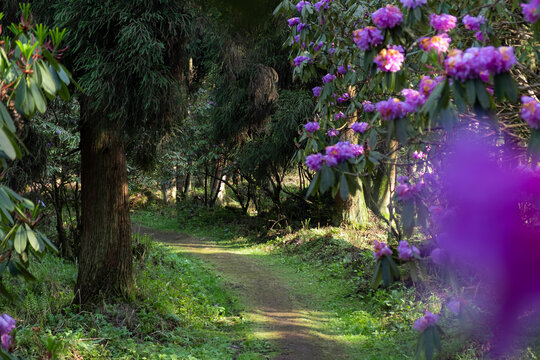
(272,305)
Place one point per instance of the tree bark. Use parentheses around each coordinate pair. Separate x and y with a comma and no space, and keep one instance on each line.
(105,260)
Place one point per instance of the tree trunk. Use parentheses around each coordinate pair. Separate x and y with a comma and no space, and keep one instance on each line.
(105,260)
(353,211)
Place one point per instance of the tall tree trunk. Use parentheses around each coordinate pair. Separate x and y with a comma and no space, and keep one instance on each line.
(353,211)
(105,260)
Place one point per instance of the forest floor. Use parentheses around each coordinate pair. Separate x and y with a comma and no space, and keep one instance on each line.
(278,312)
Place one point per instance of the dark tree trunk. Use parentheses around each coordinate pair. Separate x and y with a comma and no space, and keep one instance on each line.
(105,261)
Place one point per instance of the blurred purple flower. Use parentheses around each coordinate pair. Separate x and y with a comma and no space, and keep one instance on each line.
(360,127)
(332,132)
(381,249)
(314,162)
(530,11)
(387,17)
(411,4)
(311,126)
(293,21)
(442,23)
(407,252)
(530,111)
(368,106)
(473,23)
(301,5)
(317,91)
(328,78)
(426,321)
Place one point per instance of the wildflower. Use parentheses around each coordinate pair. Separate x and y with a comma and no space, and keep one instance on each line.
(311,127)
(387,17)
(367,37)
(411,4)
(381,249)
(368,106)
(426,321)
(530,11)
(360,127)
(328,78)
(407,252)
(301,5)
(530,111)
(442,23)
(293,21)
(314,162)
(473,23)
(342,70)
(317,91)
(391,59)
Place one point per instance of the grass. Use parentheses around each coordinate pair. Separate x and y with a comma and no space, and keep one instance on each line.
(182,311)
(331,269)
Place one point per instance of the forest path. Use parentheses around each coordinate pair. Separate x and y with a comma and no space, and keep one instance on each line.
(279,314)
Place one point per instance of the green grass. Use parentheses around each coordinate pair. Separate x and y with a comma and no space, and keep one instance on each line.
(182,311)
(333,277)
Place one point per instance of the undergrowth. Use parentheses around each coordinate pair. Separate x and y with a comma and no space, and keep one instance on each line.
(181,311)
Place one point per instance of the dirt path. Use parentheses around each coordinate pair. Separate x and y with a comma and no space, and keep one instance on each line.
(272,305)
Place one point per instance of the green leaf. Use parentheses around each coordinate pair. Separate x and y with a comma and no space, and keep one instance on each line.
(39,100)
(482,94)
(471,92)
(429,346)
(510,86)
(459,96)
(377,274)
(401,131)
(6,117)
(63,75)
(6,145)
(314,186)
(20,95)
(407,217)
(534,142)
(327,178)
(33,240)
(386,272)
(20,240)
(47,82)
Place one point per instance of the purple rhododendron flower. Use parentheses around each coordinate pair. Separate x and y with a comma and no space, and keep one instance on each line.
(390,59)
(530,11)
(439,43)
(368,106)
(317,91)
(312,126)
(318,46)
(360,127)
(301,5)
(339,115)
(314,162)
(343,69)
(387,17)
(427,84)
(479,36)
(407,252)
(367,37)
(381,249)
(474,62)
(328,78)
(473,23)
(341,152)
(300,59)
(405,191)
(293,21)
(411,4)
(443,22)
(390,109)
(301,27)
(413,98)
(7,324)
(332,132)
(419,155)
(426,321)
(343,98)
(530,111)
(493,230)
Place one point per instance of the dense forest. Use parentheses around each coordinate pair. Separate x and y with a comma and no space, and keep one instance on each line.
(269,179)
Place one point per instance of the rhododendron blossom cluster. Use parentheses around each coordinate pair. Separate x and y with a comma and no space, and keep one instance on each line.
(411,4)
(530,111)
(406,251)
(368,106)
(312,126)
(7,324)
(390,59)
(391,109)
(531,11)
(335,154)
(387,17)
(360,127)
(475,63)
(439,43)
(427,84)
(380,249)
(425,321)
(473,23)
(367,37)
(442,23)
